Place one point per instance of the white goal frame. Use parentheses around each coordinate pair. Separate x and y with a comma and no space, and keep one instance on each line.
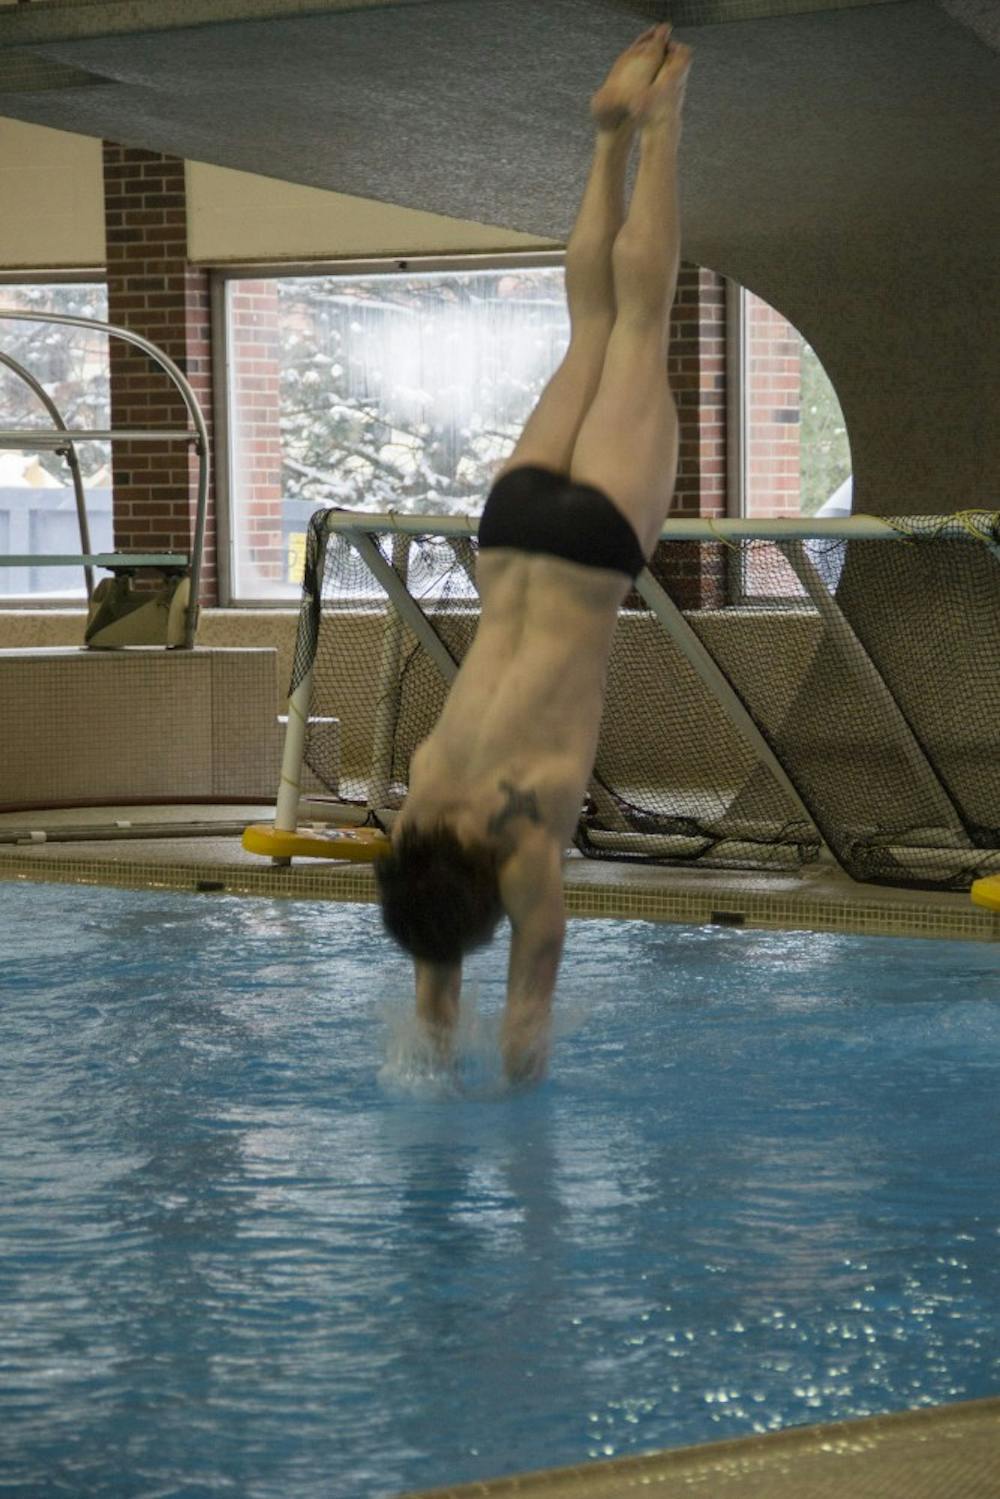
(788,536)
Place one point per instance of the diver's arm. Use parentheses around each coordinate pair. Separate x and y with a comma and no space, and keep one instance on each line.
(438,987)
(532,891)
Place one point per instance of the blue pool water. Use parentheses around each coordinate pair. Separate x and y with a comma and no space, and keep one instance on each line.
(250,1247)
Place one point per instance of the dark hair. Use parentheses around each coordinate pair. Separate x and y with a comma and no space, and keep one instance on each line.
(440,897)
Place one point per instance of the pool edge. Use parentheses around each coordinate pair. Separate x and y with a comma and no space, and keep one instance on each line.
(924,1453)
(606,890)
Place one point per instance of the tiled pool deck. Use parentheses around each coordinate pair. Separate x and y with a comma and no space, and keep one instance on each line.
(945,1452)
(819,898)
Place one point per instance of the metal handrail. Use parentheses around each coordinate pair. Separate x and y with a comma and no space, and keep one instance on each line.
(22,437)
(120,561)
(199,436)
(67,448)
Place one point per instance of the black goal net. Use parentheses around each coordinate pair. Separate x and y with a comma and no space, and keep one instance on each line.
(854,701)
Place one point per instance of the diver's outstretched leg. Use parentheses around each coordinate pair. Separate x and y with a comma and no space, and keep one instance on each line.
(628,442)
(550,433)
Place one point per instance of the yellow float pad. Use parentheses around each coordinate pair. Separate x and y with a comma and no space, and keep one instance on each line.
(360,844)
(986,892)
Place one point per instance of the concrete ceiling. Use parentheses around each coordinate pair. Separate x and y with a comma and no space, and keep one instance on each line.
(477,108)
(74,20)
(841,159)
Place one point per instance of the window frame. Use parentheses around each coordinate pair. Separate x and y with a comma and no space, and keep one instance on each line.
(50,276)
(221,276)
(736,399)
(737,388)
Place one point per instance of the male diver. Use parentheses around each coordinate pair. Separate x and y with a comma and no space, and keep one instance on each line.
(496,789)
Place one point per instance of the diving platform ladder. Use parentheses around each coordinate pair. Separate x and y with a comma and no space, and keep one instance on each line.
(118,616)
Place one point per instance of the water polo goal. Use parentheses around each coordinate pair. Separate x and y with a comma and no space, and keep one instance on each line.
(779,692)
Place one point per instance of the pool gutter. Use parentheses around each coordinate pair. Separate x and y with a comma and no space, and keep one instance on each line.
(190,852)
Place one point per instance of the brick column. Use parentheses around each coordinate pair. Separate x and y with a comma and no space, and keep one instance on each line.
(772,400)
(694,573)
(255,376)
(153,291)
(774,393)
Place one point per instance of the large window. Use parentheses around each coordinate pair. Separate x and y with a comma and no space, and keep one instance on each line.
(402,389)
(38,514)
(387,391)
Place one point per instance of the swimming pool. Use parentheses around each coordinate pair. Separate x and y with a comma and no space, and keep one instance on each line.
(251,1246)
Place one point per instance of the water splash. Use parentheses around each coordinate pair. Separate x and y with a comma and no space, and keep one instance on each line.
(413,1066)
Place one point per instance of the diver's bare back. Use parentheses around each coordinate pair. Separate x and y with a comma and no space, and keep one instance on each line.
(518,733)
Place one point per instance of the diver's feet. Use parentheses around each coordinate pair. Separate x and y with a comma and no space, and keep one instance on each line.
(662,101)
(620,96)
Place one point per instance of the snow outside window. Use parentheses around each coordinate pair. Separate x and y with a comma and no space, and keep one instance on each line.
(389,391)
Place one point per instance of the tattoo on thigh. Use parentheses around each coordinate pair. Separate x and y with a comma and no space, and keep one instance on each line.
(518,804)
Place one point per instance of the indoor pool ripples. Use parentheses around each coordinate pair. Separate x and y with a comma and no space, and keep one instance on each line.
(255,1242)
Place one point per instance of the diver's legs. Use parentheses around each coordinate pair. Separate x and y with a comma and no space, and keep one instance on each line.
(551,430)
(627,444)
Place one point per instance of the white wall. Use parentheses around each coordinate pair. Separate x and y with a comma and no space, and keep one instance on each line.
(52,213)
(51,204)
(239,216)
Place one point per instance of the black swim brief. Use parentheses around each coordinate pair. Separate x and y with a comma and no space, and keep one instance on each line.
(534,509)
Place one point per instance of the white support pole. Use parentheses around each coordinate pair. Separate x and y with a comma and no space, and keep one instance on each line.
(388,691)
(286,812)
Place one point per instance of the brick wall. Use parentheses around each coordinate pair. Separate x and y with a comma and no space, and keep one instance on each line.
(153,291)
(773,397)
(694,574)
(254,373)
